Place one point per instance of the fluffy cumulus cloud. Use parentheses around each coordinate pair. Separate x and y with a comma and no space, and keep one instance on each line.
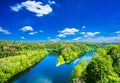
(27,28)
(33,33)
(89,34)
(16,7)
(38,8)
(4,31)
(114,39)
(77,39)
(67,31)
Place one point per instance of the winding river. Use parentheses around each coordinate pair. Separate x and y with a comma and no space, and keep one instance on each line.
(47,72)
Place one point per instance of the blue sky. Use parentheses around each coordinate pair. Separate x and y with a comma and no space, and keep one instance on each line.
(60,20)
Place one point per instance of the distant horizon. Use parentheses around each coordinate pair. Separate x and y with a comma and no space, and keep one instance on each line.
(60,42)
(60,21)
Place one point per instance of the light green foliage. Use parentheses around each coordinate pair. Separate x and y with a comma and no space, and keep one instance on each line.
(60,61)
(12,65)
(113,79)
(101,51)
(77,73)
(71,51)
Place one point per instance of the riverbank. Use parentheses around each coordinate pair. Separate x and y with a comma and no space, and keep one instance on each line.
(61,60)
(46,70)
(18,56)
(10,66)
(81,65)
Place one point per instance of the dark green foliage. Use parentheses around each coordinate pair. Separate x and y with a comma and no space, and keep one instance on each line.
(114,52)
(97,70)
(103,68)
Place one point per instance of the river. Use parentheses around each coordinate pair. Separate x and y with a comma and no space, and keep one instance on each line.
(47,72)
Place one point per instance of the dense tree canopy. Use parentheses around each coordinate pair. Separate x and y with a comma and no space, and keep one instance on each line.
(18,56)
(114,52)
(103,68)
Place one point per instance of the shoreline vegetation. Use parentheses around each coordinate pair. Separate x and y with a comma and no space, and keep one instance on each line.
(13,65)
(103,68)
(16,57)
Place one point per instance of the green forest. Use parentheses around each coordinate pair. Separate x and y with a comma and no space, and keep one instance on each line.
(104,67)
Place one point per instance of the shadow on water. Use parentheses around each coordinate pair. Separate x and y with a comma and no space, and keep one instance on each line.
(46,71)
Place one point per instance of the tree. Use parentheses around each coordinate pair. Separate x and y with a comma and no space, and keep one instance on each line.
(114,52)
(97,70)
(101,51)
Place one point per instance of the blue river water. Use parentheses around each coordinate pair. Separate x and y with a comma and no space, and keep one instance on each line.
(47,72)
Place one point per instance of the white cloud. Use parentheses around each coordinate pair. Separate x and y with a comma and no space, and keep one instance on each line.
(27,28)
(61,35)
(41,31)
(51,2)
(33,33)
(55,40)
(22,37)
(77,39)
(83,33)
(36,7)
(114,39)
(4,31)
(89,34)
(67,31)
(117,32)
(83,27)
(16,7)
